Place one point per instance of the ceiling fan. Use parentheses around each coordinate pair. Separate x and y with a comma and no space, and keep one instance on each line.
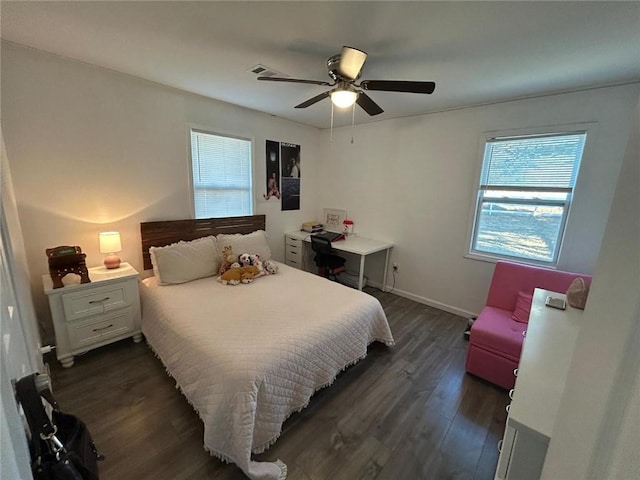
(344,69)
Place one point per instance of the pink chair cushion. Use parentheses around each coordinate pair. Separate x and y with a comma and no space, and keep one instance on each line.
(523,307)
(494,330)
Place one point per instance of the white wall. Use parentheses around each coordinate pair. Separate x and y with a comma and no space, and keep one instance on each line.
(412,181)
(93,150)
(597,433)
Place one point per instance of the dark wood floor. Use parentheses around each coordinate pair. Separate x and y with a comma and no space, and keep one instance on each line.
(407,412)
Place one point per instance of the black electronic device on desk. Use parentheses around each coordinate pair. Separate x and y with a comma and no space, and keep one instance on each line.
(331,236)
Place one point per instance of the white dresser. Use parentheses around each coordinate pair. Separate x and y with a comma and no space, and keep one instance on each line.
(546,354)
(89,315)
(294,251)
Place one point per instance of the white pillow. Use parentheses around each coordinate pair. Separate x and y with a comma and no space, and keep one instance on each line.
(252,243)
(185,261)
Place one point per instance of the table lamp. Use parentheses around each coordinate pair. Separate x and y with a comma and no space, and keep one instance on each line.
(110,244)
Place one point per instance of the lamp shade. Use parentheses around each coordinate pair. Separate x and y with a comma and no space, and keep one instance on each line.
(110,242)
(344,98)
(351,62)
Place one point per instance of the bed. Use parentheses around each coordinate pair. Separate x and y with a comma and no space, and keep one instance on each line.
(246,357)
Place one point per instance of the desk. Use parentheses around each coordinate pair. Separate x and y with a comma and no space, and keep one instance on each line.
(352,244)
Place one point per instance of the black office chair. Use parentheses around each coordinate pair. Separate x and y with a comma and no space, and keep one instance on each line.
(329,264)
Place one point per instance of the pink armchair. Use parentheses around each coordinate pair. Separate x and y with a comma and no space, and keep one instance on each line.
(496,336)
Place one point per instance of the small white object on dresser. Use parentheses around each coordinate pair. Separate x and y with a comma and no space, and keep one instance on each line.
(89,315)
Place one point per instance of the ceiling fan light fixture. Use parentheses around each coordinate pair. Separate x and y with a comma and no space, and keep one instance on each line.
(344,98)
(344,69)
(351,62)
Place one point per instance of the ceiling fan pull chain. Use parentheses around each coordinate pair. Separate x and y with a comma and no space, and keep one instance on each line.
(353,120)
(331,131)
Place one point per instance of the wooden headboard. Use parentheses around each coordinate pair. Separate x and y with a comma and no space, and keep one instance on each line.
(159,234)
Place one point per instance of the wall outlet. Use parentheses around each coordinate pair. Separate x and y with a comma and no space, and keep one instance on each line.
(395,266)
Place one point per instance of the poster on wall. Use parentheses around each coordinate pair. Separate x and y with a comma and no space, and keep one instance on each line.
(290,180)
(273,170)
(282,180)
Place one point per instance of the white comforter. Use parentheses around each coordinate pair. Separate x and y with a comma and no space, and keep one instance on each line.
(248,356)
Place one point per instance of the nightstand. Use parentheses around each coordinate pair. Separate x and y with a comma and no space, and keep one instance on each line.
(89,315)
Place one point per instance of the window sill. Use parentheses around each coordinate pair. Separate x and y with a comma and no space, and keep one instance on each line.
(495,259)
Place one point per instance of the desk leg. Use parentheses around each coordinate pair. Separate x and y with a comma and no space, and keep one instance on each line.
(386,269)
(361,276)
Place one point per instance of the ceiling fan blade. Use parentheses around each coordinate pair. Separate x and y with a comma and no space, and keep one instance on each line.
(351,62)
(398,86)
(296,80)
(368,105)
(313,100)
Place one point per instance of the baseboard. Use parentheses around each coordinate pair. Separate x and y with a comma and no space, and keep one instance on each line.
(427,301)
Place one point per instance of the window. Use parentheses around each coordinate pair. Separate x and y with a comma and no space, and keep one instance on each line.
(524,195)
(221,172)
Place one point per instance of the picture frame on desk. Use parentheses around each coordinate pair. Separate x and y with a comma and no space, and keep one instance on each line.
(332,219)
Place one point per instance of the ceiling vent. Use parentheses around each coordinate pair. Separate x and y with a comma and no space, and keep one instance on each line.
(263,71)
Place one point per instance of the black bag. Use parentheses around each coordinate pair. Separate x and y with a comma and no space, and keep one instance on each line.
(61,446)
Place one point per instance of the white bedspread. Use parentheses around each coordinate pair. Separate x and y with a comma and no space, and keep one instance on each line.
(248,356)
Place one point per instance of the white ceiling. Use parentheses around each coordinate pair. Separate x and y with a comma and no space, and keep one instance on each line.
(476,52)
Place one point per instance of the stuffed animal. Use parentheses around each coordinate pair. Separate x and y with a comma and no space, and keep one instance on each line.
(228,259)
(270,268)
(249,273)
(237,275)
(256,262)
(248,259)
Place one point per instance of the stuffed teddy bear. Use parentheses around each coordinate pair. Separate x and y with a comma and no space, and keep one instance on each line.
(270,268)
(228,259)
(237,275)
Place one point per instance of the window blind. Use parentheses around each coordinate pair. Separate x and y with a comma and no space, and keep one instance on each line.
(524,196)
(543,162)
(222,184)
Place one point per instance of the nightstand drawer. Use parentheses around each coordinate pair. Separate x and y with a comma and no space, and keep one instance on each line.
(87,333)
(94,301)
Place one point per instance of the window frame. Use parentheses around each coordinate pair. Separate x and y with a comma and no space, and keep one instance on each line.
(478,199)
(221,133)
